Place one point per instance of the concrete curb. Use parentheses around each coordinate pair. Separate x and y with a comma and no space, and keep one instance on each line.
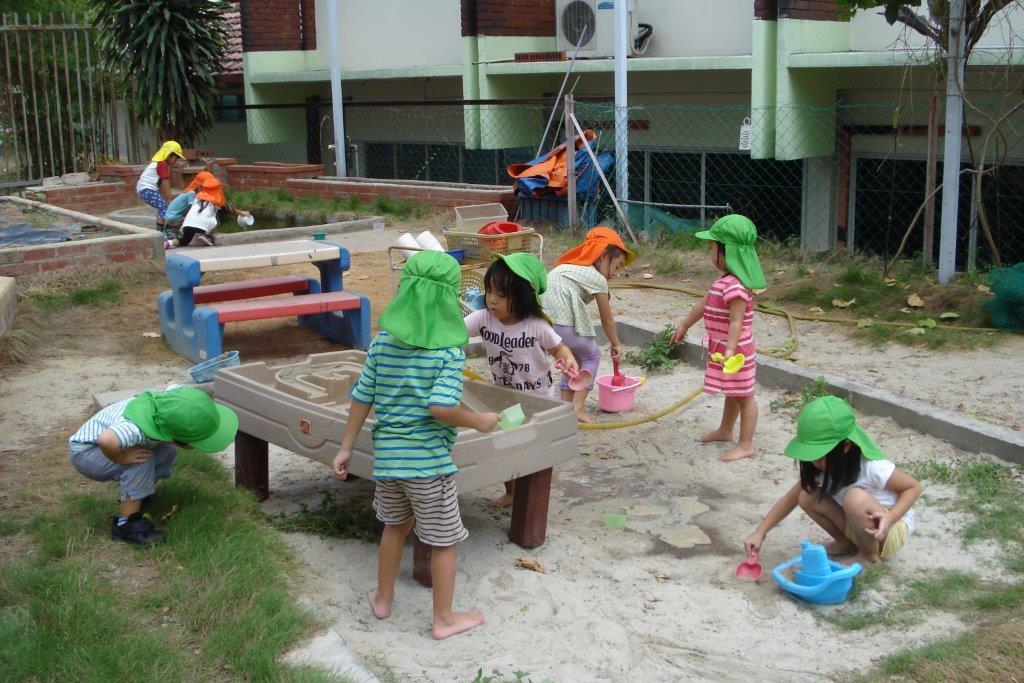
(974,436)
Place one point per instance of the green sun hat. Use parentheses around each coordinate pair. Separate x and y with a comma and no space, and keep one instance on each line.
(739,235)
(184,414)
(822,424)
(425,312)
(528,267)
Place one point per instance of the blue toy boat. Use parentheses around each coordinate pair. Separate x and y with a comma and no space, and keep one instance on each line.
(818,579)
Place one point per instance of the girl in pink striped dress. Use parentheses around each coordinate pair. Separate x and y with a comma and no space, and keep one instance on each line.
(728,312)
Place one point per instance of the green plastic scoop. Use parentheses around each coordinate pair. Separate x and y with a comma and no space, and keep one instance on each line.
(511,417)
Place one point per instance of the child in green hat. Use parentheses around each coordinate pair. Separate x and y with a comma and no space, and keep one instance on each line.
(728,313)
(517,336)
(135,442)
(412,379)
(846,486)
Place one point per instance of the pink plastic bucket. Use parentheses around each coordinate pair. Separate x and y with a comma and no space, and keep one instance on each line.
(616,399)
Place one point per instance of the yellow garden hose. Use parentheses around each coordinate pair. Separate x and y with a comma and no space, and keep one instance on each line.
(646,418)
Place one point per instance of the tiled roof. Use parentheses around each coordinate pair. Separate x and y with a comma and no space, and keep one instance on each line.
(232,63)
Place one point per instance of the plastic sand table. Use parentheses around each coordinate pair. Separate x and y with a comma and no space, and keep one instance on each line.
(302,407)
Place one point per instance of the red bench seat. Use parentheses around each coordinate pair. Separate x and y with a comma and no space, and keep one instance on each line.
(246,289)
(304,304)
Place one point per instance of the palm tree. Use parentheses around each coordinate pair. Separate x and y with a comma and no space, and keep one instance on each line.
(163,54)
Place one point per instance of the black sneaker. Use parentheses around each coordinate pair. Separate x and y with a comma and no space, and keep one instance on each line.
(137,530)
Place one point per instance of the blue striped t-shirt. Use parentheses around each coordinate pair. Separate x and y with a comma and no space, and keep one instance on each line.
(402,382)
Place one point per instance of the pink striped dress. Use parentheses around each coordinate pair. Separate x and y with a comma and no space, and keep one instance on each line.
(716,322)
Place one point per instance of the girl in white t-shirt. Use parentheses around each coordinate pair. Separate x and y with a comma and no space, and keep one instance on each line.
(517,337)
(846,486)
(203,217)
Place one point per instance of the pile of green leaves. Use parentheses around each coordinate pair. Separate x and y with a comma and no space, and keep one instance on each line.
(655,355)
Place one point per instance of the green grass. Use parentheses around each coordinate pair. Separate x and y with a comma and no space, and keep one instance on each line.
(353,519)
(317,209)
(213,601)
(106,292)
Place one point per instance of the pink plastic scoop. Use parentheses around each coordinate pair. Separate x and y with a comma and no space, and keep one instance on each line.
(750,568)
(618,379)
(578,381)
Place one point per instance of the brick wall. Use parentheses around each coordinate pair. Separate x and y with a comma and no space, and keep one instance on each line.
(767,10)
(91,198)
(508,17)
(815,10)
(266,174)
(278,25)
(432,194)
(103,250)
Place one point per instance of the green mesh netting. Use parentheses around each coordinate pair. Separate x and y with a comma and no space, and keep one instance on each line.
(1006,308)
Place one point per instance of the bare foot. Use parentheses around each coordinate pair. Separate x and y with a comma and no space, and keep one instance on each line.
(738,453)
(840,548)
(503,502)
(381,608)
(715,435)
(581,416)
(862,560)
(456,622)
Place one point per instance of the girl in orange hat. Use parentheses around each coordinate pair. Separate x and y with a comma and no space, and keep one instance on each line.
(581,276)
(202,219)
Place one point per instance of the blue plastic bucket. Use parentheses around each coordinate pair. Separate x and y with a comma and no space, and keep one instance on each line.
(458,254)
(207,370)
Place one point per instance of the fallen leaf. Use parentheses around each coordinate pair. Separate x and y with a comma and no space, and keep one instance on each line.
(165,609)
(916,330)
(816,310)
(363,277)
(927,322)
(780,271)
(811,271)
(648,276)
(660,578)
(151,335)
(984,288)
(174,508)
(531,564)
(839,303)
(949,315)
(915,301)
(646,265)
(861,324)
(890,282)
(905,310)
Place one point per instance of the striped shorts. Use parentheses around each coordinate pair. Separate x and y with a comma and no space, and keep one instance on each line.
(433,501)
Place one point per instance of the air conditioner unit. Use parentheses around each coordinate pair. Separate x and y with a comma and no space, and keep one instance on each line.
(594,22)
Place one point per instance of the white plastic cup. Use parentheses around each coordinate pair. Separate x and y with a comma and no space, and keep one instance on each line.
(427,240)
(245,221)
(407,242)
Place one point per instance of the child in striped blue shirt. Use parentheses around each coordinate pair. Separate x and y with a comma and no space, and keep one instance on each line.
(413,381)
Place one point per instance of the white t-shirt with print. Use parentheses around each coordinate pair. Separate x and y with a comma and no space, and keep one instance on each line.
(874,475)
(518,353)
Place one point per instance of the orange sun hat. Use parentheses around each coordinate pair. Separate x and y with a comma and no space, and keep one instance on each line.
(587,252)
(212,191)
(198,181)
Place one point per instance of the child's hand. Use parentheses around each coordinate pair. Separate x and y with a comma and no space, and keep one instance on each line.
(680,334)
(752,543)
(340,465)
(135,455)
(882,524)
(570,364)
(486,422)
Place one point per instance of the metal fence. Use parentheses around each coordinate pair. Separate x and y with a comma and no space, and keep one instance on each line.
(58,110)
(848,177)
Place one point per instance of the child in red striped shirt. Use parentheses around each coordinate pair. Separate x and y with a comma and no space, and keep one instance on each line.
(728,312)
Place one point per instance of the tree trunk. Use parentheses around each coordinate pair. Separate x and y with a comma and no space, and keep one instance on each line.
(931,165)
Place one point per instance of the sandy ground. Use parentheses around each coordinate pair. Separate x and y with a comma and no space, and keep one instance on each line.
(956,379)
(654,601)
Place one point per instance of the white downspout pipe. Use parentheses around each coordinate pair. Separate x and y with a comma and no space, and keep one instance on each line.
(337,115)
(621,112)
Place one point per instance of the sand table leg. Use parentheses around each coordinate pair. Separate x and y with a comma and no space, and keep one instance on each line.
(252,465)
(530,509)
